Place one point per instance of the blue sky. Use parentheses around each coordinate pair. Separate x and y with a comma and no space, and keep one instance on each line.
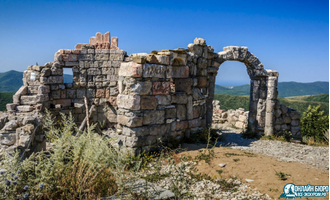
(289,36)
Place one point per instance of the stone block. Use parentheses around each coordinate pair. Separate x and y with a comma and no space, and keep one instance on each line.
(196,111)
(240,124)
(181,125)
(158,59)
(181,112)
(101,57)
(71,94)
(242,118)
(295,122)
(42,97)
(28,100)
(8,138)
(11,107)
(170,113)
(113,101)
(90,93)
(154,71)
(94,71)
(22,90)
(183,85)
(64,102)
(135,141)
(70,57)
(141,88)
(130,69)
(135,132)
(294,115)
(154,117)
(202,82)
(160,88)
(284,109)
(114,91)
(81,93)
(43,89)
(179,98)
(194,123)
(131,102)
(10,125)
(24,108)
(190,114)
(160,130)
(177,72)
(286,119)
(118,57)
(139,59)
(100,93)
(86,57)
(163,99)
(129,121)
(148,102)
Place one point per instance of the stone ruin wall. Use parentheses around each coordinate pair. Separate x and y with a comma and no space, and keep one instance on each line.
(231,118)
(144,98)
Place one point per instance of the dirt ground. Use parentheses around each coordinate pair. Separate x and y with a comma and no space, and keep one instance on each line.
(260,168)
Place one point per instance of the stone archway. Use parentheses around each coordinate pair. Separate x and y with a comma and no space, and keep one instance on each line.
(263,89)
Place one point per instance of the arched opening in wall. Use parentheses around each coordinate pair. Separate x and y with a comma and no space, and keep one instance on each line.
(67,75)
(231,95)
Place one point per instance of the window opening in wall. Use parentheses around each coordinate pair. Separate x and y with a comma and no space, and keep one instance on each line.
(67,75)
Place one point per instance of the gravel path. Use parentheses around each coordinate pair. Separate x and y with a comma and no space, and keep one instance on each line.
(283,151)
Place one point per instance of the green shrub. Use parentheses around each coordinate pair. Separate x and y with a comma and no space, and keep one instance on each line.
(314,123)
(84,167)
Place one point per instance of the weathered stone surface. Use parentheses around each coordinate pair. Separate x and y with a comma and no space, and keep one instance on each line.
(8,138)
(160,88)
(179,98)
(148,102)
(154,117)
(130,69)
(24,108)
(181,112)
(129,121)
(159,130)
(131,102)
(22,90)
(135,132)
(202,82)
(294,115)
(177,72)
(183,85)
(154,71)
(10,125)
(100,93)
(11,107)
(170,113)
(163,99)
(141,88)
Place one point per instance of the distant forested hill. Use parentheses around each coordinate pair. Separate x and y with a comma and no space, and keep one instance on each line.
(4,99)
(11,81)
(285,89)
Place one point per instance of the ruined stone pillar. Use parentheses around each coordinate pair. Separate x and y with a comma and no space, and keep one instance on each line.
(270,104)
(254,97)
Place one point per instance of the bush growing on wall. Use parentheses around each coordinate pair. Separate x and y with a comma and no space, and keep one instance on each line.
(314,123)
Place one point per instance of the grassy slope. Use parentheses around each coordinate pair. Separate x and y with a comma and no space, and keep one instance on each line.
(237,101)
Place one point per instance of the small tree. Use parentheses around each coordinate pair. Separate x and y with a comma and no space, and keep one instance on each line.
(313,123)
